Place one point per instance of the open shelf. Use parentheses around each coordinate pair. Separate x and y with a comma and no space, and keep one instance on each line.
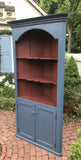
(38,79)
(37,61)
(37,45)
(38,58)
(38,71)
(35,91)
(41,99)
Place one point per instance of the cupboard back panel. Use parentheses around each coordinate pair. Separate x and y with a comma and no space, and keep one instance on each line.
(37,70)
(54,48)
(51,91)
(37,44)
(27,88)
(23,69)
(23,49)
(50,70)
(37,92)
(36,48)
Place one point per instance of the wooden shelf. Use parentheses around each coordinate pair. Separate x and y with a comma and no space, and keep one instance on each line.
(41,99)
(37,47)
(37,91)
(38,58)
(44,72)
(41,80)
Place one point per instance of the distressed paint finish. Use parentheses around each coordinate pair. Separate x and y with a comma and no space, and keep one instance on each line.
(42,115)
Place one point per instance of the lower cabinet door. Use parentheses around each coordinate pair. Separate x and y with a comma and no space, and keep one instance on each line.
(37,123)
(26,120)
(46,126)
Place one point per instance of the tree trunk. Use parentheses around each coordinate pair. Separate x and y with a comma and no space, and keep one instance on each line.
(70,37)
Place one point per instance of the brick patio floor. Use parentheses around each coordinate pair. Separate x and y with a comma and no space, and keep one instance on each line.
(16,149)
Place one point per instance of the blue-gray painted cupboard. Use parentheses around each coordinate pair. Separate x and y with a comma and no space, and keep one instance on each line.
(39,57)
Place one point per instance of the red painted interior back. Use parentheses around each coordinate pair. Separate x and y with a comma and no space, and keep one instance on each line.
(37,58)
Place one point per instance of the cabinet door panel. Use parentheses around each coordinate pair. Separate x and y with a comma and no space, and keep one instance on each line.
(46,126)
(26,120)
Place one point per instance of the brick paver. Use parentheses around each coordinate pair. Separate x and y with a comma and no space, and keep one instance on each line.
(17,149)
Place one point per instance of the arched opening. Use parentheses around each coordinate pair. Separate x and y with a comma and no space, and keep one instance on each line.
(37,43)
(37,58)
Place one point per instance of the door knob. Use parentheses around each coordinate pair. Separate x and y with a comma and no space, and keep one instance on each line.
(33,112)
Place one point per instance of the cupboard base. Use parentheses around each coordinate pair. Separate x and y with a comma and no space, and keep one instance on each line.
(38,145)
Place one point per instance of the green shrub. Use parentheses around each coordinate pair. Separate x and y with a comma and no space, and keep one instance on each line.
(67,57)
(7,103)
(76,148)
(77,110)
(69,118)
(9,78)
(72,83)
(8,32)
(7,92)
(1,74)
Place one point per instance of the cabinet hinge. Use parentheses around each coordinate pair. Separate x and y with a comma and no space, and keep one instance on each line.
(18,129)
(55,145)
(55,116)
